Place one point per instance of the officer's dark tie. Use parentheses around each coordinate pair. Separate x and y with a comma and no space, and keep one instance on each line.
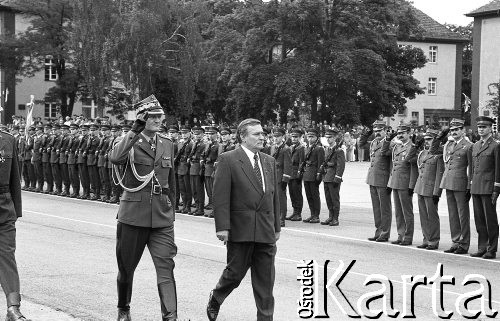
(256,169)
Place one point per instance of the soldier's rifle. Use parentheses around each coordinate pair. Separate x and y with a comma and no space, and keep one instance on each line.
(322,168)
(177,158)
(303,165)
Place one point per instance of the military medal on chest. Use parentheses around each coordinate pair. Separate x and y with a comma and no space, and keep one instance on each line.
(2,158)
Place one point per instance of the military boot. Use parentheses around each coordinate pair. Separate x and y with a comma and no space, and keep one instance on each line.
(289,218)
(314,218)
(124,297)
(328,220)
(168,299)
(14,314)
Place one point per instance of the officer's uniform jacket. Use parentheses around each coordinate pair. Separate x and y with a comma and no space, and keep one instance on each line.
(430,172)
(102,151)
(456,165)
(335,166)
(380,163)
(266,149)
(45,143)
(145,208)
(195,157)
(37,149)
(54,150)
(484,166)
(183,167)
(315,160)
(28,149)
(9,177)
(402,156)
(72,149)
(413,174)
(112,142)
(64,150)
(212,153)
(21,146)
(92,145)
(283,156)
(297,152)
(82,149)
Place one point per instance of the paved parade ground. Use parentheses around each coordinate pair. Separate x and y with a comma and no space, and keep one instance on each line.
(66,258)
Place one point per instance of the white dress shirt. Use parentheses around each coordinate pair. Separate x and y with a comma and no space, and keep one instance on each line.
(250,155)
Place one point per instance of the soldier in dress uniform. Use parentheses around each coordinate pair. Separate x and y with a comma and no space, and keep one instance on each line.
(63,159)
(431,167)
(29,178)
(314,157)
(182,168)
(71,161)
(55,146)
(116,131)
(225,137)
(36,158)
(173,134)
(102,160)
(10,211)
(82,161)
(92,150)
(47,169)
(196,180)
(267,145)
(234,137)
(403,154)
(17,135)
(211,154)
(333,169)
(146,213)
(485,186)
(297,151)
(125,128)
(21,145)
(283,156)
(456,182)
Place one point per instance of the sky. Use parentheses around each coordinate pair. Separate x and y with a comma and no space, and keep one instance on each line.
(449,11)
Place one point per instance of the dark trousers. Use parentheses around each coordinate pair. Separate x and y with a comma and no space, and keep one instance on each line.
(382,211)
(177,190)
(28,173)
(185,188)
(64,175)
(75,180)
(198,191)
(459,216)
(312,194)
(295,190)
(47,174)
(403,208)
(95,183)
(429,220)
(485,216)
(283,200)
(209,184)
(130,244)
(39,174)
(84,177)
(56,174)
(332,194)
(105,187)
(260,258)
(9,277)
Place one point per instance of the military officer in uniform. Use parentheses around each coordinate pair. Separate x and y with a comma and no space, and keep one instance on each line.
(63,159)
(403,153)
(72,165)
(295,183)
(82,161)
(196,180)
(183,168)
(10,211)
(283,156)
(55,145)
(431,167)
(146,213)
(485,186)
(47,169)
(92,150)
(29,179)
(456,182)
(115,187)
(314,157)
(102,160)
(36,158)
(210,157)
(173,135)
(333,170)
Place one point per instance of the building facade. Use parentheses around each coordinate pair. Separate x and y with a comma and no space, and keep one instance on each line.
(485,58)
(440,78)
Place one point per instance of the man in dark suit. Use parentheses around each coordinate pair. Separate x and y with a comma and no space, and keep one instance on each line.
(295,184)
(485,186)
(247,219)
(147,208)
(10,211)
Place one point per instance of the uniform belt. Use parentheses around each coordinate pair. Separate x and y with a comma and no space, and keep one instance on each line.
(4,189)
(157,189)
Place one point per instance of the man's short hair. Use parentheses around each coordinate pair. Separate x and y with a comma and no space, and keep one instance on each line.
(243,127)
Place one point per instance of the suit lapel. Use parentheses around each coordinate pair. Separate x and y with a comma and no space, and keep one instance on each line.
(485,146)
(248,170)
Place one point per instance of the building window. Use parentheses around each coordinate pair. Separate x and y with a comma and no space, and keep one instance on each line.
(427,120)
(21,106)
(444,122)
(50,69)
(87,107)
(431,86)
(433,54)
(50,110)
(414,118)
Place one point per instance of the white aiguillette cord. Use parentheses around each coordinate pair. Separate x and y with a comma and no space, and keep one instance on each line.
(144,179)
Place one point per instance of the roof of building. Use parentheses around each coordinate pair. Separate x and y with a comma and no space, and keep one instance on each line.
(433,30)
(490,8)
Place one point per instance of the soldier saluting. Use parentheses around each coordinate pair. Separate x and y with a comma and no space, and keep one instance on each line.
(146,212)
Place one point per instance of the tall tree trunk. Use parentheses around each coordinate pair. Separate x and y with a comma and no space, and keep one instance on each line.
(314,107)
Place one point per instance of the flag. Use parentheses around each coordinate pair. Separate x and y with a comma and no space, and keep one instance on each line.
(29,116)
(6,94)
(467,103)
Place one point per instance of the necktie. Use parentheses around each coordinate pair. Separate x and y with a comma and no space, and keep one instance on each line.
(256,169)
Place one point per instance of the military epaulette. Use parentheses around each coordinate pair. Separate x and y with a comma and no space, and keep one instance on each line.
(163,136)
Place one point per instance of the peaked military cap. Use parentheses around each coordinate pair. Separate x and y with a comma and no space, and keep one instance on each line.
(279,131)
(32,127)
(331,132)
(296,131)
(48,125)
(64,126)
(39,126)
(105,126)
(211,130)
(198,130)
(84,126)
(485,120)
(73,126)
(93,126)
(457,123)
(173,129)
(224,131)
(185,128)
(431,133)
(149,104)
(312,130)
(379,125)
(403,127)
(115,128)
(233,130)
(56,126)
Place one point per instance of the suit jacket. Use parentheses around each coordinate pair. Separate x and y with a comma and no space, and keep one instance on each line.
(37,148)
(380,163)
(456,165)
(402,156)
(484,167)
(143,208)
(102,152)
(240,204)
(335,166)
(10,206)
(54,151)
(82,149)
(211,157)
(313,163)
(45,143)
(283,162)
(297,154)
(430,167)
(72,148)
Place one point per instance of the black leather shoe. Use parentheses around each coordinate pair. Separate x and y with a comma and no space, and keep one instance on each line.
(405,243)
(372,239)
(450,250)
(422,246)
(296,218)
(307,220)
(460,251)
(431,247)
(381,239)
(396,242)
(213,308)
(123,315)
(334,223)
(185,210)
(314,220)
(489,256)
(14,314)
(326,222)
(282,224)
(478,254)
